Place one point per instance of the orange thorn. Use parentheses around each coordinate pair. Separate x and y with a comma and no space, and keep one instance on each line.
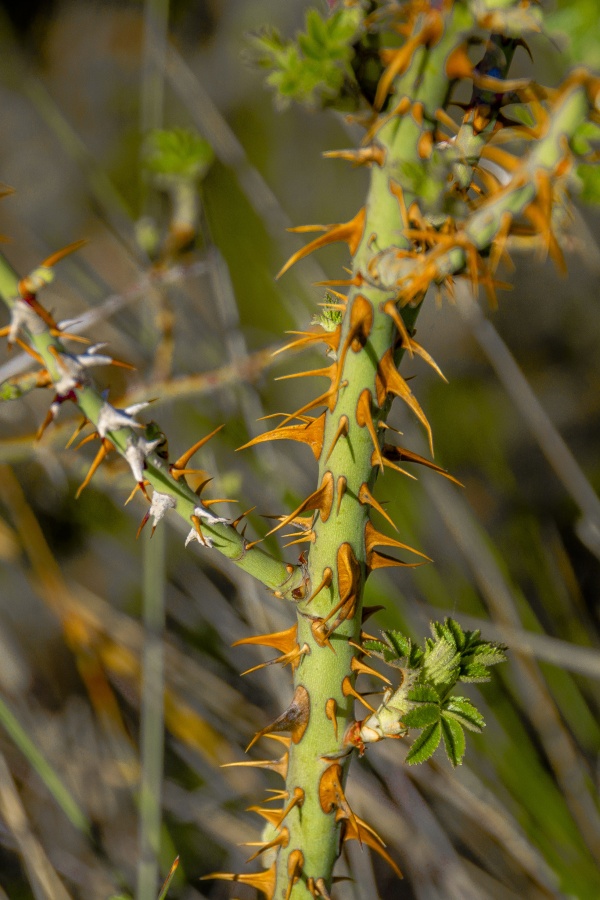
(77,432)
(282,840)
(391,452)
(184,459)
(365,156)
(54,258)
(326,372)
(310,434)
(331,793)
(390,308)
(271,815)
(219,500)
(293,657)
(378,560)
(132,494)
(342,430)
(297,800)
(262,881)
(87,439)
(237,521)
(325,582)
(308,537)
(330,712)
(364,418)
(105,448)
(142,523)
(362,668)
(360,831)
(33,353)
(280,766)
(374,538)
(389,381)
(250,544)
(198,528)
(320,499)
(295,866)
(349,691)
(279,640)
(366,498)
(294,719)
(330,338)
(321,633)
(398,193)
(443,117)
(348,232)
(391,465)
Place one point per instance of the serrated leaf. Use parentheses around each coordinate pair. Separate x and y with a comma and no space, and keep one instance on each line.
(375,646)
(458,635)
(489,654)
(425,745)
(441,662)
(422,715)
(398,642)
(474,672)
(424,693)
(463,711)
(446,633)
(454,739)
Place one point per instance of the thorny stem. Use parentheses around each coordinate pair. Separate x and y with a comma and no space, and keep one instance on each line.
(399,249)
(324,670)
(280,577)
(321,715)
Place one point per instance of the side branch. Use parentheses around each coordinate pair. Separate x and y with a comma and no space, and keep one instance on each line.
(140,445)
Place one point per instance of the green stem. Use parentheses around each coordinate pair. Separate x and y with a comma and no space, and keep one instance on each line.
(327,671)
(280,577)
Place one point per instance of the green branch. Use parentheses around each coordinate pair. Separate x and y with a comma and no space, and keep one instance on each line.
(138,444)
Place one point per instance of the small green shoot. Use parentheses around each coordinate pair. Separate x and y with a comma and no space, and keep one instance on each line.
(430,674)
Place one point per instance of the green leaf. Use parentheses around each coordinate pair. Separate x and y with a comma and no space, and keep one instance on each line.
(463,711)
(441,662)
(425,707)
(177,152)
(454,739)
(455,630)
(315,68)
(488,654)
(375,646)
(474,672)
(420,716)
(424,693)
(425,745)
(398,642)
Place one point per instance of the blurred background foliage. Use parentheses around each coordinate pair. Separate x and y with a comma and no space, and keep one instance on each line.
(516,552)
